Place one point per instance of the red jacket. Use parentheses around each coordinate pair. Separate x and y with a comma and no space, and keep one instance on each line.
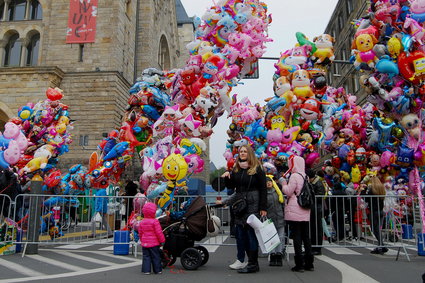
(150,232)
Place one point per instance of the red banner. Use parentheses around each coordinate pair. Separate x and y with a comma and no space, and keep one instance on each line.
(81,21)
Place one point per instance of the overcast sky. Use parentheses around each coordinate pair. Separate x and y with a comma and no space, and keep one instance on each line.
(289,16)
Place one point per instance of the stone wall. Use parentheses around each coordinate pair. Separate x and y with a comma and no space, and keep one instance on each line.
(96,101)
(95,89)
(156,18)
(185,37)
(113,49)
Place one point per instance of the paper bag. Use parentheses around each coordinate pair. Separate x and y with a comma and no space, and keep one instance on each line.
(267,235)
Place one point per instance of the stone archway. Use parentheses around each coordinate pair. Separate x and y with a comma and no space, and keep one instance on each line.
(164,59)
(5,115)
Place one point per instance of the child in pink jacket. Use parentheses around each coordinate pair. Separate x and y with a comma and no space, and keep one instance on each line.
(151,238)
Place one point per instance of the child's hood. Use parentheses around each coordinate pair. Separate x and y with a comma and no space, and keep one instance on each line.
(149,210)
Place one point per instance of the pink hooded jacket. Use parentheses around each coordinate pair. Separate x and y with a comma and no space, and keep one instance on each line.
(150,232)
(294,212)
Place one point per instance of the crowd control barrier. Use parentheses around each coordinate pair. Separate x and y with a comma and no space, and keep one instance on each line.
(346,221)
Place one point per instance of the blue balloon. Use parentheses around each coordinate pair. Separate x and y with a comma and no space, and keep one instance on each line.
(406,41)
(3,163)
(420,18)
(4,142)
(343,151)
(387,66)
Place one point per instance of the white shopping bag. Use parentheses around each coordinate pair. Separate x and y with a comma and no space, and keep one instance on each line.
(98,217)
(266,233)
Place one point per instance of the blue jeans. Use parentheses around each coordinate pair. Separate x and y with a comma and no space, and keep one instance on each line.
(151,258)
(245,240)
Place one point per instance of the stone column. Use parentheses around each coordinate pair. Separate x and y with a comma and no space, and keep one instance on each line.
(27,10)
(24,51)
(6,8)
(3,44)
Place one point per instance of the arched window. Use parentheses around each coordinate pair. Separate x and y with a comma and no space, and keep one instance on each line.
(32,50)
(164,54)
(17,10)
(35,10)
(12,55)
(1,11)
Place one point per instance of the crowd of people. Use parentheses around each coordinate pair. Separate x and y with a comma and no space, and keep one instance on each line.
(275,197)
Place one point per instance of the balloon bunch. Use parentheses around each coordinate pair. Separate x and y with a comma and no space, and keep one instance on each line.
(75,182)
(291,121)
(169,113)
(385,136)
(40,133)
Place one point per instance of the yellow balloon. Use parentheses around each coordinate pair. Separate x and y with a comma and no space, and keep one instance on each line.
(394,47)
(356,175)
(60,128)
(63,120)
(174,167)
(25,114)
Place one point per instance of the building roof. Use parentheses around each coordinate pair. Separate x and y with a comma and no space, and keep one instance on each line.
(181,15)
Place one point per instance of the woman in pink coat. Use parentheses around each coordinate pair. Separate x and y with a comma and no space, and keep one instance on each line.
(151,237)
(298,217)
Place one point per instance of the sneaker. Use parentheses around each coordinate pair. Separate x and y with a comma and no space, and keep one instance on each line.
(237,265)
(383,250)
(376,251)
(146,273)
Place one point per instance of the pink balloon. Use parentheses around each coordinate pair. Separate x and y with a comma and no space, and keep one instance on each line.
(312,158)
(12,153)
(386,158)
(11,130)
(22,141)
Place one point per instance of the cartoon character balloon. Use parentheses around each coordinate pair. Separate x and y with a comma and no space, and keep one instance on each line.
(174,167)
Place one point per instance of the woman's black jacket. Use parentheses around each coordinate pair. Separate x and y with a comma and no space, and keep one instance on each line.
(252,188)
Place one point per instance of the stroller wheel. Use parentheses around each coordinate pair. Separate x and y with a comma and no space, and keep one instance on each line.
(205,255)
(167,259)
(191,259)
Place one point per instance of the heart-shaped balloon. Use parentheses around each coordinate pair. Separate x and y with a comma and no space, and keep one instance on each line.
(412,66)
(54,94)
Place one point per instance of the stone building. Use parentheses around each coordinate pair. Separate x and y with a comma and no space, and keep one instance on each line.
(131,35)
(343,73)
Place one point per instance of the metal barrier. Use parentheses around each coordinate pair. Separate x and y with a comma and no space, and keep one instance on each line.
(336,221)
(5,206)
(77,220)
(364,221)
(7,235)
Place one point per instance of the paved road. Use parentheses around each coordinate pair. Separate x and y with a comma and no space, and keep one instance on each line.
(96,263)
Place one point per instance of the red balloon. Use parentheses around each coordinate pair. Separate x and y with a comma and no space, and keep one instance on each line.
(336,162)
(53,178)
(53,94)
(406,65)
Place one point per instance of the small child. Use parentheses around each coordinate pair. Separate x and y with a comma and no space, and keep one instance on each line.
(275,211)
(151,238)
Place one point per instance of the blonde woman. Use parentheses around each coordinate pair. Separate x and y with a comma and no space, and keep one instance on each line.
(375,195)
(249,183)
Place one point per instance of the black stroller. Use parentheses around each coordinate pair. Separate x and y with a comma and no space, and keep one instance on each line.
(180,237)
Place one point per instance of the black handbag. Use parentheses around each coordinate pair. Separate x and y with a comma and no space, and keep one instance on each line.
(240,206)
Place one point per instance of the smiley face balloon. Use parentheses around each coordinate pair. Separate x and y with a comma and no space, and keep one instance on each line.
(174,167)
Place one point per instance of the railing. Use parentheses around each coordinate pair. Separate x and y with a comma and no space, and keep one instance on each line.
(365,221)
(336,221)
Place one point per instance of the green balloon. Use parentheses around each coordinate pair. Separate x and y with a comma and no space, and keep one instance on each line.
(302,40)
